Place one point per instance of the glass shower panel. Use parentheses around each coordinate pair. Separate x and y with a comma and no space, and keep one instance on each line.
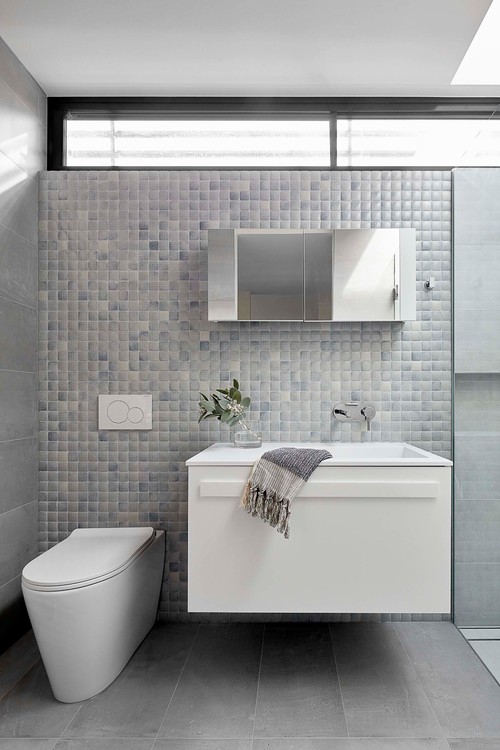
(476,224)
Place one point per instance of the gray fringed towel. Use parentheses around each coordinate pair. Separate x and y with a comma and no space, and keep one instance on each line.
(275,480)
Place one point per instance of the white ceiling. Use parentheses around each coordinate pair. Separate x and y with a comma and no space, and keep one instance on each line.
(236,48)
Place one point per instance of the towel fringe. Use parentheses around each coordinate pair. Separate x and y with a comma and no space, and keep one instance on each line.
(269,506)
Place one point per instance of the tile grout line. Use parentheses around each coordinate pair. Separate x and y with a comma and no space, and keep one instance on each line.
(16,302)
(4,226)
(70,721)
(176,686)
(258,683)
(338,678)
(418,681)
(16,683)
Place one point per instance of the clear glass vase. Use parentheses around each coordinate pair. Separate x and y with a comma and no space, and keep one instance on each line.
(247,434)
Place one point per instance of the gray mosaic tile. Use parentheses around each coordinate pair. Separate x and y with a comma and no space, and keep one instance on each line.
(123,308)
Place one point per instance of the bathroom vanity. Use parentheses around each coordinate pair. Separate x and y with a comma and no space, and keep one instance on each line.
(370,532)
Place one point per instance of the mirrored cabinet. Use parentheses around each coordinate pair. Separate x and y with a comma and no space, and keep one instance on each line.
(311,275)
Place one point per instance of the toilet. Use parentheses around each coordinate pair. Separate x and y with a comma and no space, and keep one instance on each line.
(92,599)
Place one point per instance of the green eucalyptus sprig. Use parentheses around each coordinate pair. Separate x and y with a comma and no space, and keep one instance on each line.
(228,407)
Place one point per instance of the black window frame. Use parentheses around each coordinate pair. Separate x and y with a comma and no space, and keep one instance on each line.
(247,108)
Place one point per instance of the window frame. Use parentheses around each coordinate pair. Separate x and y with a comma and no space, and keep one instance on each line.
(59,109)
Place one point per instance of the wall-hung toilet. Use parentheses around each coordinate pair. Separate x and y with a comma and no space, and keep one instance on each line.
(92,599)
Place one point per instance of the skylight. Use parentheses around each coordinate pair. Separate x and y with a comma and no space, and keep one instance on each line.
(481,64)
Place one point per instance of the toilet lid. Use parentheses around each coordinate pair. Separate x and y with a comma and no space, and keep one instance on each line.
(87,554)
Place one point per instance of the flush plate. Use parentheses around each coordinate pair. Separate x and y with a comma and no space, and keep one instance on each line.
(125,412)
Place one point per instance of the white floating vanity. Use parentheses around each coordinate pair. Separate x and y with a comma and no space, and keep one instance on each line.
(370,532)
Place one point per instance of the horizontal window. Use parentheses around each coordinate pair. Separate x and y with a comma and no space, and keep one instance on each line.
(197,143)
(272,133)
(405,142)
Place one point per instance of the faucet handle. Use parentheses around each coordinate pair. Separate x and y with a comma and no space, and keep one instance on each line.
(368,412)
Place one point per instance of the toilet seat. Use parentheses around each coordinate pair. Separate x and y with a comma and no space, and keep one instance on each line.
(86,557)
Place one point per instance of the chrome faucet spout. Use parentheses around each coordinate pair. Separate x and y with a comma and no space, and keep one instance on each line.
(353,411)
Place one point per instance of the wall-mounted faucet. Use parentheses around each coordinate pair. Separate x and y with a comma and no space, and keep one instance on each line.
(354,411)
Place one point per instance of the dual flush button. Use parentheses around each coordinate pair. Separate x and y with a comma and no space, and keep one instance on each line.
(125,412)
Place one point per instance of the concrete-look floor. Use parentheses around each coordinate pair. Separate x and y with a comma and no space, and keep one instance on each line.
(404,686)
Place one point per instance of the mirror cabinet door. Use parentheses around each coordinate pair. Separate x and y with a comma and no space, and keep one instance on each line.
(318,275)
(365,275)
(270,275)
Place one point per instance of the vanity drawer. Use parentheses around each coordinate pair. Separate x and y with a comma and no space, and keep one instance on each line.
(362,539)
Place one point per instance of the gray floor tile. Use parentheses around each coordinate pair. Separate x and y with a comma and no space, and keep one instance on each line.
(299,693)
(135,703)
(351,744)
(469,744)
(27,744)
(301,743)
(216,695)
(30,709)
(203,745)
(381,693)
(398,744)
(105,743)
(464,696)
(17,661)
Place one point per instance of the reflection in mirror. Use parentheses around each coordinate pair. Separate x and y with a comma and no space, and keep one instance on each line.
(318,269)
(271,276)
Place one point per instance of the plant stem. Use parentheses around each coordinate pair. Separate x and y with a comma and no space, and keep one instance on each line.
(246,427)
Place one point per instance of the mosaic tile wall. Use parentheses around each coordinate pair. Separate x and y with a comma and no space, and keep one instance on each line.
(123,308)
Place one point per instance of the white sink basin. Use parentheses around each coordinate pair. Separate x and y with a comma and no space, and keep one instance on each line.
(343,454)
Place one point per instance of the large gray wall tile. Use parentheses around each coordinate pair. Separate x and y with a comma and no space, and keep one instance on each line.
(18,405)
(18,336)
(18,268)
(22,156)
(19,80)
(13,616)
(476,197)
(477,594)
(476,346)
(18,197)
(20,132)
(477,277)
(477,404)
(18,540)
(475,192)
(477,469)
(18,473)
